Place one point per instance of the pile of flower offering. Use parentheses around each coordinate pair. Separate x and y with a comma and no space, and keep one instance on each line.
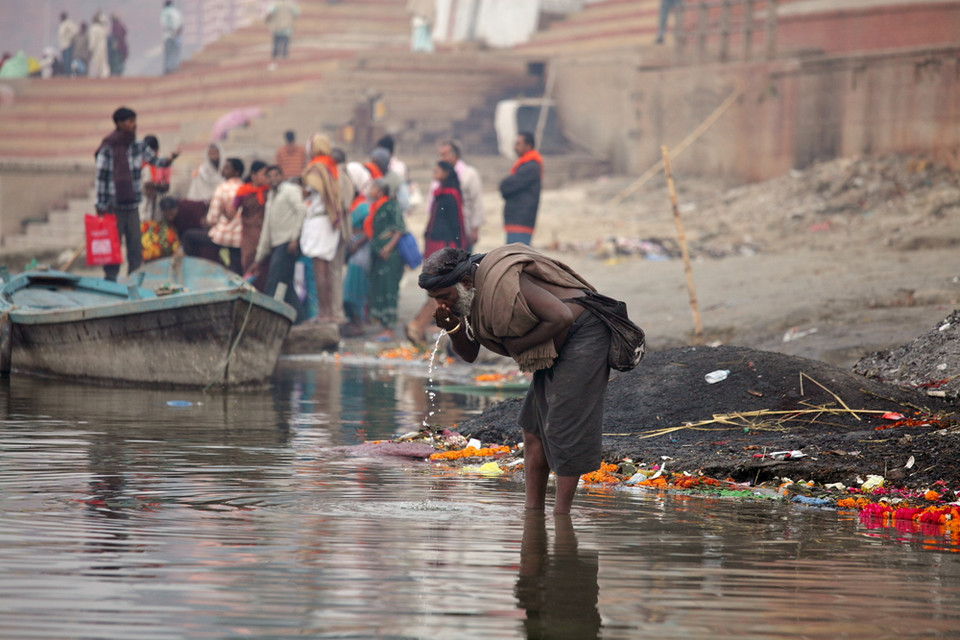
(655,477)
(443,439)
(680,481)
(477,459)
(606,474)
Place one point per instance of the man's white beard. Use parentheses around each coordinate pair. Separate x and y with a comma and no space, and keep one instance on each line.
(464,302)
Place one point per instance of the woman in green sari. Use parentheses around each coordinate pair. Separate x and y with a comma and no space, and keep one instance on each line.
(386,266)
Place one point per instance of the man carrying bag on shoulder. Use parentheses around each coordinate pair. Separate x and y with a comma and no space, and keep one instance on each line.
(520,303)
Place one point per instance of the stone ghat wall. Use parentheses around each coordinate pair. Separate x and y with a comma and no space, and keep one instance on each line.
(28,190)
(806,27)
(791,112)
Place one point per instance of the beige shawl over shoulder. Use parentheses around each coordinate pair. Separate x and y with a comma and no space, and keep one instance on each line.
(500,310)
(317,177)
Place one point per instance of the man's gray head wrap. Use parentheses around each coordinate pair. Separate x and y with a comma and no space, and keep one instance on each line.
(447,267)
(381,158)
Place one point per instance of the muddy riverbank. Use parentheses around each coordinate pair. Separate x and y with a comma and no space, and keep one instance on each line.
(797,280)
(843,425)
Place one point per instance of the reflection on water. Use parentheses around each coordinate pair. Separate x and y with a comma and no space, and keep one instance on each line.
(367,403)
(124,517)
(558,590)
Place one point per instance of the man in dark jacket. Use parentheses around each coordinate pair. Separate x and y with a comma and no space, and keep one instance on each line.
(521,191)
(120,159)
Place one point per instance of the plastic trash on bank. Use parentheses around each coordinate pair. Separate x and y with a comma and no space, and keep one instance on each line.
(812,501)
(872,482)
(487,469)
(716,376)
(782,455)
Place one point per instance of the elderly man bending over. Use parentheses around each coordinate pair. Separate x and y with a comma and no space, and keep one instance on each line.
(520,303)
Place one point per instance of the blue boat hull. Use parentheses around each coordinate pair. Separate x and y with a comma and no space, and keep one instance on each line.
(226,336)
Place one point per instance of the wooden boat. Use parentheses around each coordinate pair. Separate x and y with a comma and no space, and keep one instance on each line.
(176,322)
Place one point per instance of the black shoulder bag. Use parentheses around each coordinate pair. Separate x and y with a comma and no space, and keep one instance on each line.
(626,338)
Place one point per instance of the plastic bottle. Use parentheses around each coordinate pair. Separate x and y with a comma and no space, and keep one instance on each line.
(716,376)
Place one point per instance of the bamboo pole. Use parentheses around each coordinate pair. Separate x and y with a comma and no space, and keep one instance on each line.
(682,239)
(73,258)
(680,148)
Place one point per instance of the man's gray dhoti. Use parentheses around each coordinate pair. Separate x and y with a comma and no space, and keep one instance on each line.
(564,405)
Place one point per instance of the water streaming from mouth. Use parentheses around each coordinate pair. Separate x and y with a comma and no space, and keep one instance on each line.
(430,390)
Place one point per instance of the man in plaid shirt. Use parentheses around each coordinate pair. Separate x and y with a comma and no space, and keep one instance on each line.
(119,161)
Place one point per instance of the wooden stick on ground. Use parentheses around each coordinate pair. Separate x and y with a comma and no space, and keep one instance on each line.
(73,258)
(729,419)
(835,396)
(680,148)
(682,239)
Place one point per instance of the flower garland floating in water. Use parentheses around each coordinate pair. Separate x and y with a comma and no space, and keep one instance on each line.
(410,354)
(947,516)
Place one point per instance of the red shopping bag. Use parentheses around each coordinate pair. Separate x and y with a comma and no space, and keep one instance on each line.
(103,241)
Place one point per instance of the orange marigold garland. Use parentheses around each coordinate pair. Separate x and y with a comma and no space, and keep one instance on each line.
(603,475)
(158,240)
(680,481)
(853,503)
(469,452)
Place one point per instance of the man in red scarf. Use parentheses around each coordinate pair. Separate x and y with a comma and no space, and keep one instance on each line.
(120,159)
(521,190)
(249,202)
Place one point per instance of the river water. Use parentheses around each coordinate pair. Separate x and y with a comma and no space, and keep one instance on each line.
(145,514)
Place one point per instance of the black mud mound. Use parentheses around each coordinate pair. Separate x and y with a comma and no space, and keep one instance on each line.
(931,363)
(665,411)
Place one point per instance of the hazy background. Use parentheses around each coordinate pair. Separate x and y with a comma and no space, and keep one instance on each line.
(31,25)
